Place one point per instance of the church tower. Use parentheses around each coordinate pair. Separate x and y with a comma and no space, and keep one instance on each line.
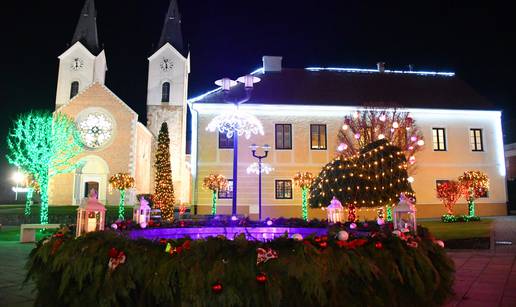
(167,87)
(84,63)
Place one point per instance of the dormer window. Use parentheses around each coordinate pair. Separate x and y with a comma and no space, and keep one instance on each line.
(74,89)
(165,92)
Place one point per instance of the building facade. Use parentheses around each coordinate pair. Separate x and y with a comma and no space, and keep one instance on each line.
(302,111)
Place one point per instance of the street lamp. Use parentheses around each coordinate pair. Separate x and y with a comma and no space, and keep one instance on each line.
(236,123)
(266,149)
(18,178)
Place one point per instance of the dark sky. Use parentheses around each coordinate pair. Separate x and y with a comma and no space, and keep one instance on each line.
(228,38)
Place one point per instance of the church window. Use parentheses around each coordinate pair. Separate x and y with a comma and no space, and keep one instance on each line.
(165,92)
(74,89)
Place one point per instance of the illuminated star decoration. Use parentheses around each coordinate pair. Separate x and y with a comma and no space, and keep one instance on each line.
(254,169)
(236,122)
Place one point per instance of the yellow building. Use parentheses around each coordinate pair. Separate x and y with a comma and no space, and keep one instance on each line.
(302,110)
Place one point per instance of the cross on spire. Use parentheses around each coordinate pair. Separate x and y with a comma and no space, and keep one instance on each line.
(86,30)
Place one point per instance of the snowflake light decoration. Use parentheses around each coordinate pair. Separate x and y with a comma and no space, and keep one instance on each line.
(236,122)
(96,130)
(254,169)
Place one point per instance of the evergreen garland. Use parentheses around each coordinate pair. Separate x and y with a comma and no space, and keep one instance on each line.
(164,188)
(380,270)
(373,178)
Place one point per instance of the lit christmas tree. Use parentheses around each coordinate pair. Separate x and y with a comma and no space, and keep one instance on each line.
(44,144)
(164,189)
(121,182)
(373,178)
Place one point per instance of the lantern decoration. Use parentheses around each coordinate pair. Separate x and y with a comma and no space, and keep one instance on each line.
(475,184)
(335,210)
(91,215)
(304,181)
(215,183)
(121,182)
(405,214)
(141,212)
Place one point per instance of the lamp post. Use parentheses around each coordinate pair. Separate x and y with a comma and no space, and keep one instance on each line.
(266,149)
(236,123)
(18,179)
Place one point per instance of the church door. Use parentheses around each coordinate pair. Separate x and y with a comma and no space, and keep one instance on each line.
(90,185)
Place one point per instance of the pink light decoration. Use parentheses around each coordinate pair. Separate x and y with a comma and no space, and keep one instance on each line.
(382,117)
(357,136)
(412,160)
(413,138)
(345,127)
(342,147)
(420,143)
(395,125)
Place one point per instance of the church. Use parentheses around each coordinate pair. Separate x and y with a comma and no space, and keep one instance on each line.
(115,141)
(301,111)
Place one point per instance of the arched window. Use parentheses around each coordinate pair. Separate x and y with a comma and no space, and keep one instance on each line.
(74,89)
(165,92)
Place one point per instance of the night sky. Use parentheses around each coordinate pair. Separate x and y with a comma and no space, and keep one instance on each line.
(228,38)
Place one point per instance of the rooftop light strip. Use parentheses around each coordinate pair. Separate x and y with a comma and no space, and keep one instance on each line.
(363,70)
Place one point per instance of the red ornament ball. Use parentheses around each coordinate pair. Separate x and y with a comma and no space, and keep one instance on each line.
(378,245)
(317,239)
(261,278)
(216,288)
(323,244)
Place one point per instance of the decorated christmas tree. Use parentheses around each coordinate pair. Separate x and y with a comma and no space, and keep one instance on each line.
(164,188)
(373,178)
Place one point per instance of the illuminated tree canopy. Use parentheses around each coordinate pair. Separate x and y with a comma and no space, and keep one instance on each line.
(43,144)
(121,182)
(375,177)
(366,126)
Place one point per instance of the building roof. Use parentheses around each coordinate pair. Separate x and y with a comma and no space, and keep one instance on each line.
(86,29)
(171,32)
(358,87)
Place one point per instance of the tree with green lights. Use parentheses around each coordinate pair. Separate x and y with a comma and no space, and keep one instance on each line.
(43,144)
(164,188)
(304,181)
(121,182)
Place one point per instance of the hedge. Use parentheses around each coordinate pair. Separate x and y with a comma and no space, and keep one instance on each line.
(380,270)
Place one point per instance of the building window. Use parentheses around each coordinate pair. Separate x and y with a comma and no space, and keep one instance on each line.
(283,189)
(227,194)
(475,139)
(283,136)
(74,89)
(439,139)
(225,142)
(165,92)
(318,136)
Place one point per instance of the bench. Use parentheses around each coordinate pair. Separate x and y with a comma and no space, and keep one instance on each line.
(28,231)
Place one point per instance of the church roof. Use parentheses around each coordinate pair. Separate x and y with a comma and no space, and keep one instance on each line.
(171,32)
(86,30)
(357,87)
